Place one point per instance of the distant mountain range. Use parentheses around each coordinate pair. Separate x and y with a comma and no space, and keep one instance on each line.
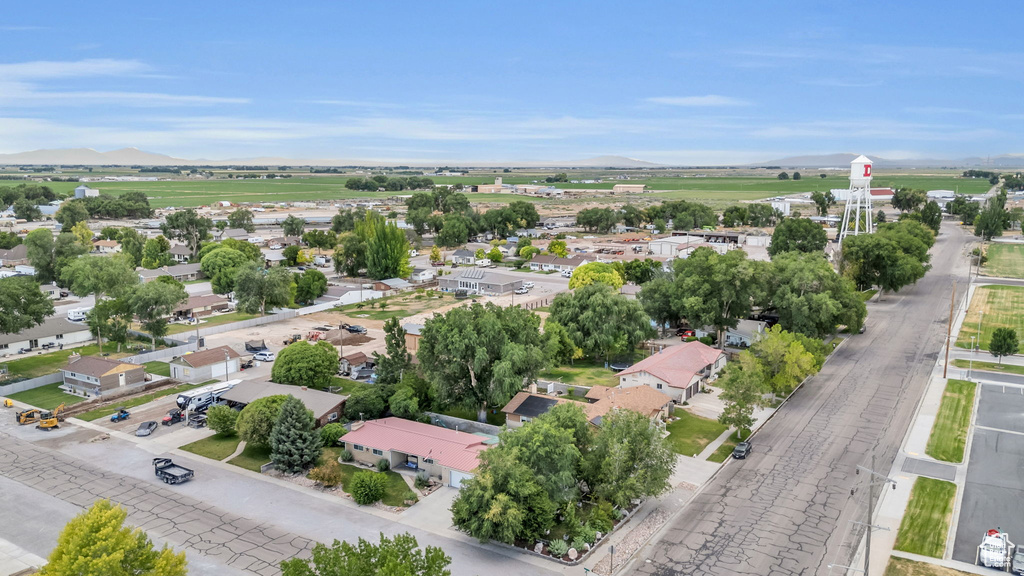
(136,157)
(843,160)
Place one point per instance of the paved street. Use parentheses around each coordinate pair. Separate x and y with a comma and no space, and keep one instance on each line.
(786,509)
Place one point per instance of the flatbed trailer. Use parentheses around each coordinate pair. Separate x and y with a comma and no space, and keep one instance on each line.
(170,472)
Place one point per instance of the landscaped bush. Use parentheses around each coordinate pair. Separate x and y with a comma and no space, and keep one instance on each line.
(422,479)
(331,433)
(346,456)
(328,474)
(368,487)
(383,465)
(558,548)
(708,340)
(588,534)
(601,517)
(221,420)
(579,544)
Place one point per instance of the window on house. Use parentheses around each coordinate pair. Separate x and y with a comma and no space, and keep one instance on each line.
(3,346)
(525,419)
(428,460)
(60,336)
(659,385)
(377,452)
(357,447)
(332,416)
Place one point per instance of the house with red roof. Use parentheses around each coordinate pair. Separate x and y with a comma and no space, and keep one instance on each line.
(678,371)
(449,455)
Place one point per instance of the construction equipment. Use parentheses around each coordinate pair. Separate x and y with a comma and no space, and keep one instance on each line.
(52,419)
(315,335)
(294,338)
(30,416)
(8,403)
(995,550)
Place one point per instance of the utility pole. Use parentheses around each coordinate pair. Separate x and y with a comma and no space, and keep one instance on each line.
(874,479)
(949,329)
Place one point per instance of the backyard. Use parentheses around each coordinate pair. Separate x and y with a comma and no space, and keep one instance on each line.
(158,368)
(1004,261)
(926,521)
(949,434)
(209,321)
(216,447)
(996,307)
(400,306)
(582,372)
(690,433)
(46,397)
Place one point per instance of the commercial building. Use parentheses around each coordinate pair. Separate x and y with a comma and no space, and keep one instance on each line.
(628,188)
(84,191)
(556,263)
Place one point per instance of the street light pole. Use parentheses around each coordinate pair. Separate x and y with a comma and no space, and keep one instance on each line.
(970,367)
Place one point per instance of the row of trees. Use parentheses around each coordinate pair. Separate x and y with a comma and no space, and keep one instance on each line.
(392,184)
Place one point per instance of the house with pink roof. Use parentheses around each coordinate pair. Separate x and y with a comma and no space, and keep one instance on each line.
(448,455)
(678,371)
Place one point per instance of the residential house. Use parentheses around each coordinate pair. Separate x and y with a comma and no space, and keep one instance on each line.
(413,332)
(208,364)
(54,332)
(180,253)
(52,291)
(464,257)
(448,455)
(548,262)
(180,272)
(677,371)
(236,233)
(199,306)
(526,406)
(743,335)
(106,246)
(94,376)
(326,407)
(355,362)
(421,275)
(477,281)
(391,285)
(14,256)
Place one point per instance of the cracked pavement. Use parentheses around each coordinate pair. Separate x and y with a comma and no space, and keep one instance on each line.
(786,510)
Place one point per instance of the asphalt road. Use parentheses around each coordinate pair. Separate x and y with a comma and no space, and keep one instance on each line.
(787,509)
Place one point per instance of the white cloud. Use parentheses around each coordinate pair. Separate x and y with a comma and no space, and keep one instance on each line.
(42,69)
(698,101)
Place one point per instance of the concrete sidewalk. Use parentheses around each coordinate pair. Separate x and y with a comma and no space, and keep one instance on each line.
(14,559)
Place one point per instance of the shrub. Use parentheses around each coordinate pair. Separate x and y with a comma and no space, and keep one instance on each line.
(422,479)
(579,544)
(708,340)
(368,487)
(383,465)
(330,433)
(558,548)
(328,474)
(221,420)
(346,456)
(588,535)
(411,496)
(601,517)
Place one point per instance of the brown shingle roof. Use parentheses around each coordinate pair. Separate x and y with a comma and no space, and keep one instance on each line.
(98,367)
(642,399)
(356,358)
(207,357)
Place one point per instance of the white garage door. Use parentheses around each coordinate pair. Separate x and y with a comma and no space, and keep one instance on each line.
(457,477)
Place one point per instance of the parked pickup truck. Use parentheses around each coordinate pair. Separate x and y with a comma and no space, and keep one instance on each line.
(170,472)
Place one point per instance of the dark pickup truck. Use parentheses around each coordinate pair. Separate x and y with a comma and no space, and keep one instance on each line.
(170,472)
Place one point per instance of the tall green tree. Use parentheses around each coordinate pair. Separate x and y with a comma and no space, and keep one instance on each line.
(320,239)
(784,359)
(22,304)
(907,200)
(156,253)
(810,297)
(110,319)
(221,267)
(27,210)
(39,248)
(1004,343)
(9,240)
(387,249)
(797,235)
(309,286)
(153,302)
(892,258)
(241,218)
(992,220)
(350,256)
(630,459)
(70,213)
(132,245)
(550,452)
(398,556)
(293,226)
(189,227)
(256,421)
(294,445)
(743,389)
(259,290)
(392,364)
(823,201)
(602,322)
(481,355)
(595,272)
(66,250)
(96,542)
(305,364)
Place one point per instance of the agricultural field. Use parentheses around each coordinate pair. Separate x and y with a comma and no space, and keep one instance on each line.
(720,187)
(996,307)
(1004,261)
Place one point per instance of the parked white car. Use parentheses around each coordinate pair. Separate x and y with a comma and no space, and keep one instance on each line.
(527,285)
(566,273)
(265,356)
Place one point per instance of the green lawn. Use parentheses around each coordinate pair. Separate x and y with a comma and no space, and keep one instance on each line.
(690,434)
(904,567)
(925,523)
(216,447)
(133,402)
(43,364)
(46,397)
(494,415)
(394,493)
(159,368)
(211,321)
(252,458)
(990,366)
(1004,261)
(1002,306)
(725,450)
(949,434)
(584,372)
(349,386)
(868,294)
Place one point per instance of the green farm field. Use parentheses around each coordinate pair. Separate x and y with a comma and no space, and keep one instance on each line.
(714,189)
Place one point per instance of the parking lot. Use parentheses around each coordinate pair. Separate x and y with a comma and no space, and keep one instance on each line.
(994,491)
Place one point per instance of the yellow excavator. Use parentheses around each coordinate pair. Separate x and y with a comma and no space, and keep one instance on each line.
(30,416)
(50,420)
(8,403)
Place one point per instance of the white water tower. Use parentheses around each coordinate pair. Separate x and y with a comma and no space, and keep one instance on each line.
(857,217)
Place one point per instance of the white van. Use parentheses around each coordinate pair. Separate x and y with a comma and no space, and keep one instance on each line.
(78,314)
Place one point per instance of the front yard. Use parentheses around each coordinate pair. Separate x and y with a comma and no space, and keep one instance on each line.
(395,492)
(949,434)
(725,450)
(252,457)
(690,434)
(216,447)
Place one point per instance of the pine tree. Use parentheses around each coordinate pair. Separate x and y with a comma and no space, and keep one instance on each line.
(294,445)
(96,542)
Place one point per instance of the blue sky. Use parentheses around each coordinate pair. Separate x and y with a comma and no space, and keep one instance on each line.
(668,82)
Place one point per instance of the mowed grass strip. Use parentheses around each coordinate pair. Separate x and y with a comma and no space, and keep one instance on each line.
(216,447)
(989,366)
(925,523)
(949,434)
(904,567)
(725,450)
(46,397)
(690,433)
(252,457)
(1004,261)
(159,368)
(1002,307)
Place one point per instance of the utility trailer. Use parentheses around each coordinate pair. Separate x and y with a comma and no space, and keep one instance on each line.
(170,472)
(995,550)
